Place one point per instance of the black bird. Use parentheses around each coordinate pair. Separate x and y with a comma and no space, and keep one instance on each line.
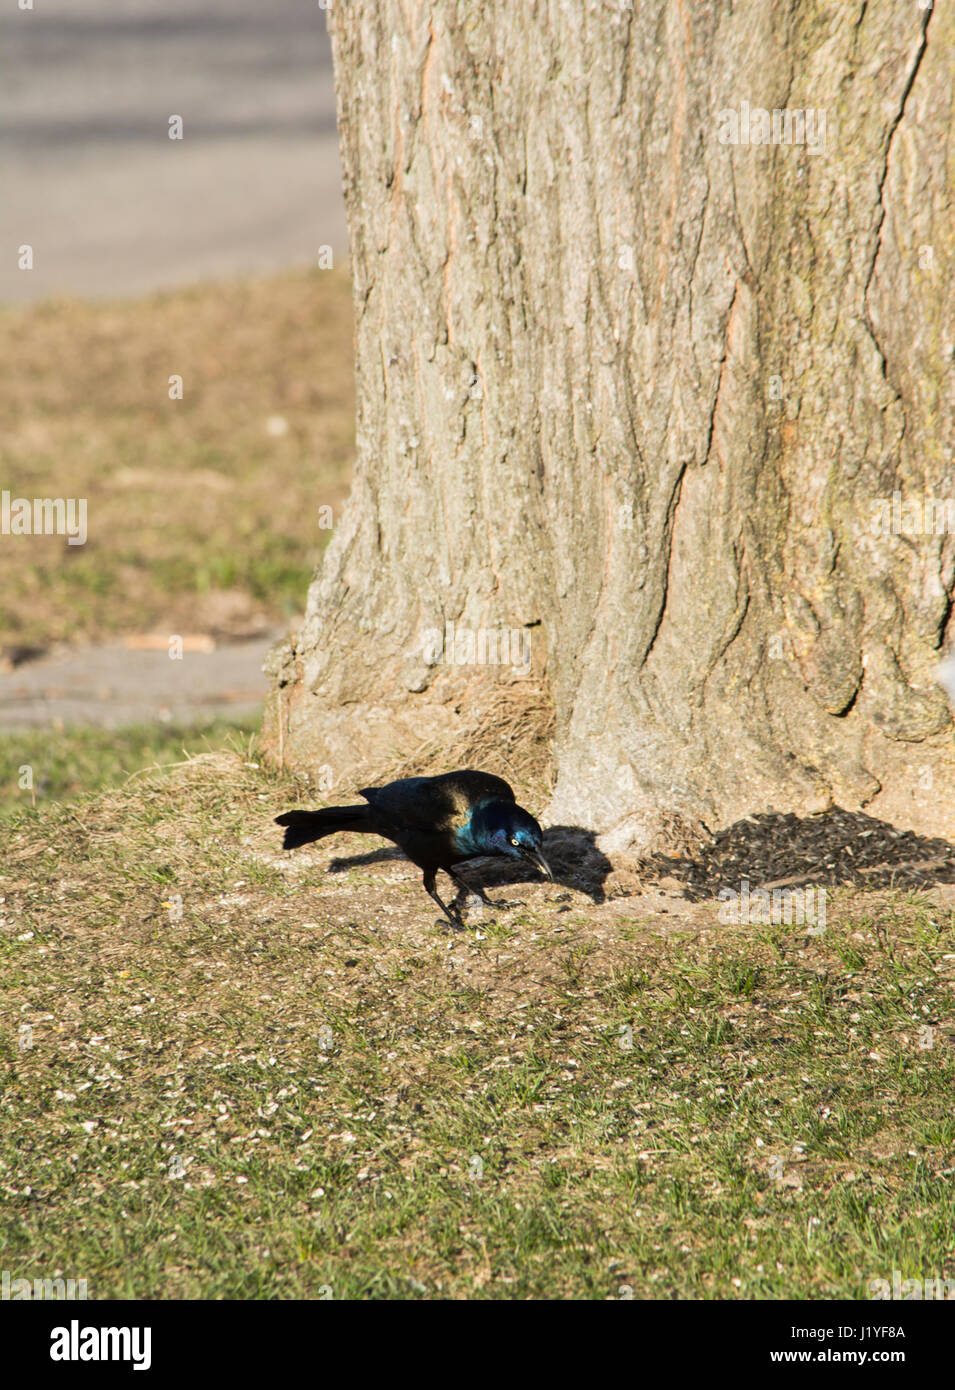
(436,822)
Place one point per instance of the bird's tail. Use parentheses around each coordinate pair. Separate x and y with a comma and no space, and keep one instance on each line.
(302,827)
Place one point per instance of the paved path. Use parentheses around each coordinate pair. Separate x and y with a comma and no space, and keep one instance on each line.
(111,205)
(111,686)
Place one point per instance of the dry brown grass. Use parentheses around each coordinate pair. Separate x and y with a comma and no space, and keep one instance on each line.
(508,725)
(199,518)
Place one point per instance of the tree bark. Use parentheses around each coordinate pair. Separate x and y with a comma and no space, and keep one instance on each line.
(637,392)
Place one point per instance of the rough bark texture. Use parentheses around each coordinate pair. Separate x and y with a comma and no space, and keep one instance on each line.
(638,391)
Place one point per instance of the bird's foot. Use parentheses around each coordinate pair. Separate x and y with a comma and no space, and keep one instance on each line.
(452,918)
(502,904)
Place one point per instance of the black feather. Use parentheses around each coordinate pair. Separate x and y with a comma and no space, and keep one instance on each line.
(302,827)
(437,822)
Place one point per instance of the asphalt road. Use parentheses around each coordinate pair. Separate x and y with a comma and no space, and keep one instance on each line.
(90,179)
(112,686)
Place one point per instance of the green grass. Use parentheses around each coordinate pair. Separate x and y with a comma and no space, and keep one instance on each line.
(42,765)
(570,1106)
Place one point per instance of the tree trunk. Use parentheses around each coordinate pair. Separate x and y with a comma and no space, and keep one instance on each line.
(637,381)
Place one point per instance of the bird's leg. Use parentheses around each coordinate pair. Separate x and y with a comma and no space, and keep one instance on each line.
(476,888)
(428,880)
(465,890)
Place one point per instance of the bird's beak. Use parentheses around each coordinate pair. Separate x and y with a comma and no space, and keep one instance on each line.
(534,857)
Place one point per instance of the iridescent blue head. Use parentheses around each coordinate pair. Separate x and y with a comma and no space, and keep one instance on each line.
(501,827)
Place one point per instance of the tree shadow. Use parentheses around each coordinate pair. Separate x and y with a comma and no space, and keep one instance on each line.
(572,853)
(785,850)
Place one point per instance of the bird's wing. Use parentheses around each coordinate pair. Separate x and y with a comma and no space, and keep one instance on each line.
(436,803)
(409,802)
(477,786)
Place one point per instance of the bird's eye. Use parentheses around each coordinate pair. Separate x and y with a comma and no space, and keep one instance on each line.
(514,841)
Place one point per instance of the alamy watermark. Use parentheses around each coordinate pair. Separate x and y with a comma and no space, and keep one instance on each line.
(467,646)
(908,1290)
(43,516)
(776,907)
(23,1290)
(913,516)
(76,1343)
(754,125)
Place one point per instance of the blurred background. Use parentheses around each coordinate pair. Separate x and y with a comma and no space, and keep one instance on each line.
(220,258)
(110,204)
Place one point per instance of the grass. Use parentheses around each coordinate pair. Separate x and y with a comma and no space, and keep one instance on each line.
(64,764)
(230,1073)
(203,513)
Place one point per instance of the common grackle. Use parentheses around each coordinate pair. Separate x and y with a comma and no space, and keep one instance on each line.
(437,822)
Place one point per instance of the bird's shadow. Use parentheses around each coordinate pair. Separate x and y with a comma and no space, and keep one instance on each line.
(343,862)
(571,852)
(768,849)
